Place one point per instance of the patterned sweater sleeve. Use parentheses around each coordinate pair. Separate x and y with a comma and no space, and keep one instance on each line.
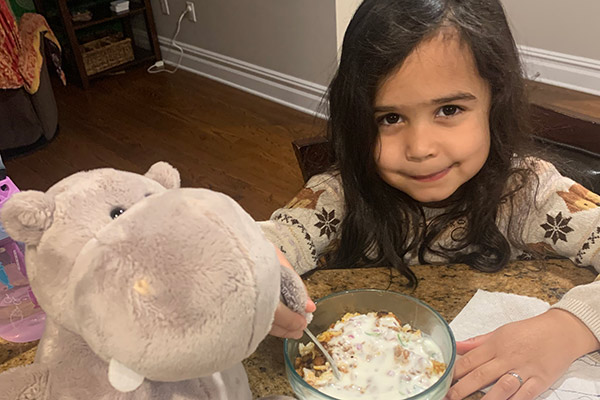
(565,220)
(308,224)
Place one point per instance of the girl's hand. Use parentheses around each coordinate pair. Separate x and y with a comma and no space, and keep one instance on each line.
(538,349)
(288,324)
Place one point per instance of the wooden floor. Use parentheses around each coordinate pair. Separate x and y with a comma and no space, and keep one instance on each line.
(566,101)
(217,136)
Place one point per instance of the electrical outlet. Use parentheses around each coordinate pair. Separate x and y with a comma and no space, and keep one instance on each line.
(192,13)
(164,6)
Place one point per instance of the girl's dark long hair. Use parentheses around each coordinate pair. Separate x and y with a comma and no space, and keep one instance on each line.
(381,220)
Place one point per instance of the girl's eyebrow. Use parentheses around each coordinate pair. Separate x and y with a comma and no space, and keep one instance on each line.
(454,97)
(460,96)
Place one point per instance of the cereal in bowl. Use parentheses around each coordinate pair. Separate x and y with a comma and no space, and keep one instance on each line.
(378,357)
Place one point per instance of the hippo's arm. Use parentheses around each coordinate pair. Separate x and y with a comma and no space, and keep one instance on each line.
(25,382)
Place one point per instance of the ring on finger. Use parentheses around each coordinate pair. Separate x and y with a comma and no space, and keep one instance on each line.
(516,376)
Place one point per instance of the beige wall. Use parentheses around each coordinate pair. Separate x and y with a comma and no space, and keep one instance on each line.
(287,50)
(568,27)
(344,10)
(564,26)
(292,37)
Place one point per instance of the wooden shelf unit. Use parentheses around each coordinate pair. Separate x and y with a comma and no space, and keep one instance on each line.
(102,15)
(136,9)
(141,56)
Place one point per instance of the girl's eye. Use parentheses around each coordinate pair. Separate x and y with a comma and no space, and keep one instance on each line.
(389,119)
(448,111)
(115,212)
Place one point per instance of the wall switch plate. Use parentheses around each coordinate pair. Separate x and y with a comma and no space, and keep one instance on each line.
(192,11)
(164,6)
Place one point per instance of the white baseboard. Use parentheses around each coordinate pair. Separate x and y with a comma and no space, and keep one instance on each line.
(564,70)
(290,91)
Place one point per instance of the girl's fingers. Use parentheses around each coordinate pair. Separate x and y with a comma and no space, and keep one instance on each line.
(310,306)
(469,344)
(287,324)
(525,347)
(474,358)
(476,379)
(505,387)
(530,390)
(283,333)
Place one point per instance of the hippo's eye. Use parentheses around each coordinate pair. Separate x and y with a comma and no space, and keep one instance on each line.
(115,212)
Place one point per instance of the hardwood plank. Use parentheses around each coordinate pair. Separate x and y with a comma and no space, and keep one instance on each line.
(216,136)
(570,102)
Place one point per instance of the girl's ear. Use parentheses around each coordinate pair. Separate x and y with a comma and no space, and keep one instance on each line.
(27,215)
(165,174)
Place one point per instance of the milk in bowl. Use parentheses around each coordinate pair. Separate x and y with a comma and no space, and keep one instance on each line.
(405,350)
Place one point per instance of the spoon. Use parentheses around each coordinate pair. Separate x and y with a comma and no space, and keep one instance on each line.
(334,368)
(291,293)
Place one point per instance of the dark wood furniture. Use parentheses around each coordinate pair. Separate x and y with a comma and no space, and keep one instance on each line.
(313,154)
(28,121)
(575,140)
(102,15)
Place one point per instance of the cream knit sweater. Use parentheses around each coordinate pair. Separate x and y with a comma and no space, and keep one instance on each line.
(564,220)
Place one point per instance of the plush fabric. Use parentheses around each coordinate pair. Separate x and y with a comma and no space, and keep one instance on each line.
(151,291)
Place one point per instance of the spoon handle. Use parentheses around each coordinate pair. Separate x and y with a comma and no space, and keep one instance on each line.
(334,368)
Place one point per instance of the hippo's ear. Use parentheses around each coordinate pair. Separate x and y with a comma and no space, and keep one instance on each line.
(27,215)
(165,174)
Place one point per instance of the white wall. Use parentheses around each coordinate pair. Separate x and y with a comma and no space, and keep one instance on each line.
(344,10)
(280,49)
(287,50)
(559,40)
(568,27)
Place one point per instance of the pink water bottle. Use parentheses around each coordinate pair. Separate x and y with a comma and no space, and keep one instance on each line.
(21,318)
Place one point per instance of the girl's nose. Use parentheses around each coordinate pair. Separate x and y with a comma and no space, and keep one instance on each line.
(419,143)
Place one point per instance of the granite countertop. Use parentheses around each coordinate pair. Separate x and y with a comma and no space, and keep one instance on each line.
(446,288)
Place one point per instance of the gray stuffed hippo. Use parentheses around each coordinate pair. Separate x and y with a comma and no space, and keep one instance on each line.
(151,291)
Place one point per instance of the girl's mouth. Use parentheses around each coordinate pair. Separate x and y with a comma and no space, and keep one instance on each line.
(433,177)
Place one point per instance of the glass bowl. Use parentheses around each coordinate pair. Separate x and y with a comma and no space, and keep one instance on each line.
(408,309)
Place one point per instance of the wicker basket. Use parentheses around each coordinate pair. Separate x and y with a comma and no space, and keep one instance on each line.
(107,52)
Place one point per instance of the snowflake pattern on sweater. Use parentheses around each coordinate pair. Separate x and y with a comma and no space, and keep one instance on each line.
(563,221)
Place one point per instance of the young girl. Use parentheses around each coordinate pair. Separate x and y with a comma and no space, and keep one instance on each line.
(428,127)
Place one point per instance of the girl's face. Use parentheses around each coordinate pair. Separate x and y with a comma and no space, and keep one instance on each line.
(433,119)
